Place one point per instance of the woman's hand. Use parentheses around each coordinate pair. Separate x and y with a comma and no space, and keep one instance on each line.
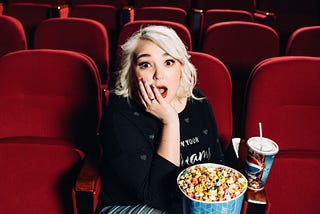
(155,104)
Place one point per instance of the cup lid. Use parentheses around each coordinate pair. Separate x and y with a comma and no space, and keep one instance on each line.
(263,145)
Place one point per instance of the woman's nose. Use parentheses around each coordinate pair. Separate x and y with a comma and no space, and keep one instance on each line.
(158,74)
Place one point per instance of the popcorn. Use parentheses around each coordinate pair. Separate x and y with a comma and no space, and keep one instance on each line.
(210,183)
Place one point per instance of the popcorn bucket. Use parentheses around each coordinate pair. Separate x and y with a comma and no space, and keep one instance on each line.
(212,188)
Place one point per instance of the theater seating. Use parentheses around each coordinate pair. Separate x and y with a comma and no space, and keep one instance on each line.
(116,3)
(183,4)
(291,15)
(76,34)
(240,46)
(214,80)
(13,37)
(31,14)
(304,42)
(111,22)
(283,95)
(50,116)
(173,14)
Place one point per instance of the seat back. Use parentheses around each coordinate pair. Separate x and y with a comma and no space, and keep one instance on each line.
(213,16)
(76,34)
(214,80)
(240,46)
(128,29)
(117,3)
(248,5)
(111,22)
(13,37)
(52,94)
(183,4)
(283,94)
(291,15)
(173,14)
(30,15)
(304,42)
(37,174)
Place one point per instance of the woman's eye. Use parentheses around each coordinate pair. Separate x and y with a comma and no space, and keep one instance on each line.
(144,65)
(170,62)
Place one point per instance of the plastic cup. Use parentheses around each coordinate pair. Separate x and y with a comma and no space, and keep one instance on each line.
(228,206)
(260,156)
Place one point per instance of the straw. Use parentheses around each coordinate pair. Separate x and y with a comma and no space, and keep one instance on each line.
(260,130)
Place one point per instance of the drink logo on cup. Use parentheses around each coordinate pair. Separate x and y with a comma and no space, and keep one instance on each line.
(254,169)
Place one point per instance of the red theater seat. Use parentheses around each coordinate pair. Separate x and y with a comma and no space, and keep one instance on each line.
(37,175)
(304,42)
(173,14)
(76,34)
(213,16)
(50,118)
(214,80)
(291,15)
(240,46)
(183,4)
(116,3)
(111,22)
(284,95)
(32,14)
(13,37)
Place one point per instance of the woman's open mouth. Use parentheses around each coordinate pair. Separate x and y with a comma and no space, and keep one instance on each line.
(163,91)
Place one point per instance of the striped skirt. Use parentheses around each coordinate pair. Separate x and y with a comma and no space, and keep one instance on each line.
(133,209)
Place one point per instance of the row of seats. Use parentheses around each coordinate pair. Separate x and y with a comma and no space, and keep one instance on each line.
(239,45)
(284,16)
(51,110)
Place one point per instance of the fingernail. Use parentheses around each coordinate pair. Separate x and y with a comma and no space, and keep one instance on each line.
(143,80)
(152,85)
(139,79)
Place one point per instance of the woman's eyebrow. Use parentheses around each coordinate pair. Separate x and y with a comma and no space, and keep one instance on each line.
(142,55)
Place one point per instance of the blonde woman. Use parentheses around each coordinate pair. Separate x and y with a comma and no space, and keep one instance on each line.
(156,124)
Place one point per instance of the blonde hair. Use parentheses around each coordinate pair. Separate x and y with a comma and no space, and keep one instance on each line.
(168,40)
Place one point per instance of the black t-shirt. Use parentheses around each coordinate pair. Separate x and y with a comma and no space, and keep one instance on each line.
(132,171)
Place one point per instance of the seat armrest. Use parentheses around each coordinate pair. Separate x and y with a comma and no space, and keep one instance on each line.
(264,17)
(61,11)
(196,27)
(1,8)
(127,14)
(87,188)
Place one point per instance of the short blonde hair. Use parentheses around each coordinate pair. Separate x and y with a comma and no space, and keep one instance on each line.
(168,40)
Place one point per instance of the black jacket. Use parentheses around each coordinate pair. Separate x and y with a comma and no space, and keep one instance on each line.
(132,172)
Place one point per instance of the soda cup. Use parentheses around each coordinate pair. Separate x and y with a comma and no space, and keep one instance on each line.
(260,156)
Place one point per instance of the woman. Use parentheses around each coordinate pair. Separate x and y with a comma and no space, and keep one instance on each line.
(156,124)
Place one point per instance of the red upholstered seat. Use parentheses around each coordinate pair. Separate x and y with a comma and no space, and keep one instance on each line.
(184,4)
(304,42)
(76,34)
(111,22)
(50,115)
(37,175)
(32,14)
(214,80)
(291,15)
(240,46)
(13,37)
(284,95)
(213,16)
(117,3)
(173,14)
(50,93)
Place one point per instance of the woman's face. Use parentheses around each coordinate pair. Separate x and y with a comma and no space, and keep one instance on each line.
(157,67)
